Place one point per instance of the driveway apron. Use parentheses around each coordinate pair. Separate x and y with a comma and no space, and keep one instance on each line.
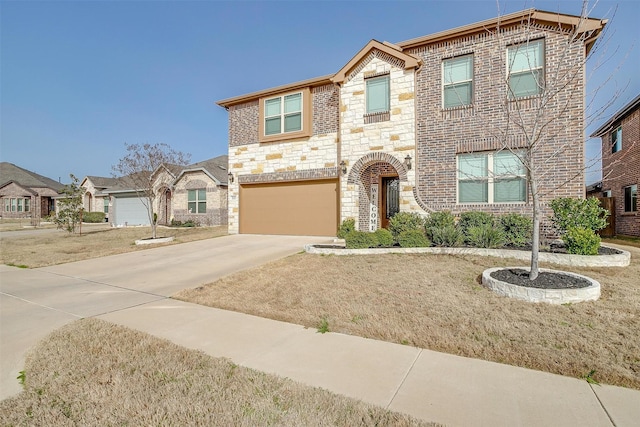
(34,302)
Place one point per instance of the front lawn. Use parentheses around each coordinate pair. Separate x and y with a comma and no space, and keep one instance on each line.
(437,302)
(95,373)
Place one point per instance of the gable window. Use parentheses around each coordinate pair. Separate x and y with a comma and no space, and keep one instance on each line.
(616,140)
(494,177)
(457,81)
(197,201)
(283,114)
(525,68)
(631,198)
(377,89)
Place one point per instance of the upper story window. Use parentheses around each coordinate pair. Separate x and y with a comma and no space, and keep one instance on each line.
(493,177)
(616,140)
(457,81)
(525,68)
(631,198)
(286,116)
(197,201)
(378,97)
(283,114)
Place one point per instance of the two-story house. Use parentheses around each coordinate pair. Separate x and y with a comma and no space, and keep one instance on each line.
(621,165)
(423,125)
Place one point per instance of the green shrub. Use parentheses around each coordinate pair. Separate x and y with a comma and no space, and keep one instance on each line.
(517,229)
(485,236)
(93,217)
(447,236)
(413,239)
(347,226)
(176,223)
(360,240)
(384,237)
(405,221)
(581,241)
(578,213)
(439,220)
(469,220)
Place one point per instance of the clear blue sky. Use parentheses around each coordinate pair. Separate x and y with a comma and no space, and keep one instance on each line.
(79,79)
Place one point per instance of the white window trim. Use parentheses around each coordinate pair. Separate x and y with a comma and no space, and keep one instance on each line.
(282,114)
(197,201)
(490,181)
(618,140)
(512,96)
(444,107)
(386,76)
(624,201)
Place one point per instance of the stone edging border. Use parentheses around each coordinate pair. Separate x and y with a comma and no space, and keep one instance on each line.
(154,241)
(551,296)
(617,260)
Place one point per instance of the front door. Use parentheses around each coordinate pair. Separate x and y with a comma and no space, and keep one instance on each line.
(390,200)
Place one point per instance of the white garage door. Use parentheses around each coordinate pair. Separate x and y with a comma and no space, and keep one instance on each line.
(129,211)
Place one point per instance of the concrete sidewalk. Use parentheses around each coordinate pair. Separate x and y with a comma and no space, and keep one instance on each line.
(433,386)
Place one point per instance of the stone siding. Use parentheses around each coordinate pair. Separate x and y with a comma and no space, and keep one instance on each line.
(217,207)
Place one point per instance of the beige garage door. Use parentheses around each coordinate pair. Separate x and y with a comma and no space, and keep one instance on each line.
(304,208)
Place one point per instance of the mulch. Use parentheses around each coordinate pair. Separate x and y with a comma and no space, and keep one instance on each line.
(545,280)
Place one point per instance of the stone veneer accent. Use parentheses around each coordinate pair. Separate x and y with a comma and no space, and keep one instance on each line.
(375,145)
(251,162)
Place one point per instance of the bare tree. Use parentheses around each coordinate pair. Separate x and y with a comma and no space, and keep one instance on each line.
(538,123)
(135,171)
(544,103)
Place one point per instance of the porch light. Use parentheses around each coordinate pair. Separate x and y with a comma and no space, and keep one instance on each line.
(343,167)
(230,177)
(407,161)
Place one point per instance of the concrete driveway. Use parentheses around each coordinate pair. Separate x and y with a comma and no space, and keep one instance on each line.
(34,302)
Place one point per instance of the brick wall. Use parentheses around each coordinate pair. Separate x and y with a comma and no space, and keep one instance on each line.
(622,169)
(442,134)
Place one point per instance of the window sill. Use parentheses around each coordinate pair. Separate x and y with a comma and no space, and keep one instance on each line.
(383,116)
(457,108)
(629,214)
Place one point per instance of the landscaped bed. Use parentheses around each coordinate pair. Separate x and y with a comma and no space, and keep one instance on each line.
(437,302)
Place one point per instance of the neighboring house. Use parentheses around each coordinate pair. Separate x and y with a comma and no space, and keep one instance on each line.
(594,190)
(197,192)
(621,165)
(26,194)
(94,199)
(404,127)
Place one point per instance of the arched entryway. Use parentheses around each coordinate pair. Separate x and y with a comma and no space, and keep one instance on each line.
(378,178)
(164,211)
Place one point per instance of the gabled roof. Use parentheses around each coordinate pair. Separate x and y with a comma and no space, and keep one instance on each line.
(551,20)
(410,61)
(101,181)
(216,168)
(25,178)
(618,116)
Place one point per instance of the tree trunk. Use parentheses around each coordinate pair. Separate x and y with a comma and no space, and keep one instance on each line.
(535,238)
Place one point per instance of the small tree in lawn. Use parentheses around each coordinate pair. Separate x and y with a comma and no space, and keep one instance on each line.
(69,216)
(543,106)
(136,168)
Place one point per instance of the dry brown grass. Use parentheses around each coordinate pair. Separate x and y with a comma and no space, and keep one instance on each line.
(95,373)
(437,302)
(50,248)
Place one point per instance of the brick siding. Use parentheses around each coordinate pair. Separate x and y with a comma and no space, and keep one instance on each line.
(622,169)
